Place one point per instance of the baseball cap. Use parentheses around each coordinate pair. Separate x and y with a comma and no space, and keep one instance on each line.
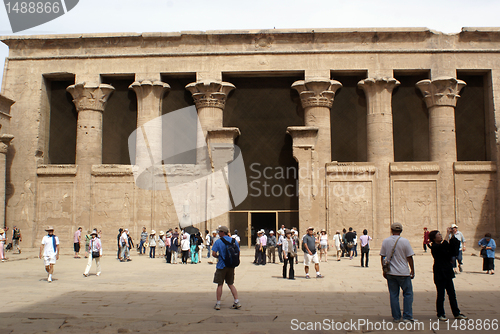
(454,225)
(223,229)
(397,227)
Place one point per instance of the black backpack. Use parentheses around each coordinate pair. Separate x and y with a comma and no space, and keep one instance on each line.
(232,259)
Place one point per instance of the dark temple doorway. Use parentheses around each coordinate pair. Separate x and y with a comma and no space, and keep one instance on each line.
(262,221)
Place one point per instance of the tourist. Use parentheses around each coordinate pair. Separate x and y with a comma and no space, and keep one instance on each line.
(323,244)
(208,242)
(460,237)
(16,239)
(144,239)
(174,247)
(279,244)
(199,240)
(236,236)
(123,245)
(185,248)
(161,244)
(400,254)
(223,273)
(355,247)
(76,240)
(168,247)
(271,247)
(349,239)
(120,232)
(95,253)
(130,245)
(88,237)
(258,248)
(310,254)
(337,242)
(344,243)
(263,246)
(194,248)
(288,254)
(365,247)
(426,239)
(49,249)
(488,247)
(295,237)
(443,251)
(152,244)
(2,244)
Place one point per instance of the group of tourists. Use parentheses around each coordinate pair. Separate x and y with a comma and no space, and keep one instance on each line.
(16,237)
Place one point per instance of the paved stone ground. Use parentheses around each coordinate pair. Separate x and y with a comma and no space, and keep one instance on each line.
(150,296)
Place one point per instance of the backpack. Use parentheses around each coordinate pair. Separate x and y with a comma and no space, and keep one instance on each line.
(232,259)
(17,234)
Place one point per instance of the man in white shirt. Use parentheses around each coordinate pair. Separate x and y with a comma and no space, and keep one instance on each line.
(460,237)
(399,276)
(49,249)
(124,246)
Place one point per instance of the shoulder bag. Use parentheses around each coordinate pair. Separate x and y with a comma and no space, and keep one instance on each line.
(386,263)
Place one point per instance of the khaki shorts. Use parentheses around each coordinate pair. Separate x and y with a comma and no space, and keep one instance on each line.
(225,274)
(310,258)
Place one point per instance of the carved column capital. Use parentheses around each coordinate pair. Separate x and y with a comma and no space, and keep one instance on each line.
(316,92)
(144,88)
(210,94)
(441,91)
(375,85)
(90,97)
(5,142)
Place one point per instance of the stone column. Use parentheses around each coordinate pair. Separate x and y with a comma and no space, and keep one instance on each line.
(5,140)
(149,102)
(316,96)
(440,96)
(90,101)
(210,99)
(148,170)
(380,145)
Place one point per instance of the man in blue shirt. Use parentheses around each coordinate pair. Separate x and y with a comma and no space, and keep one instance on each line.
(223,273)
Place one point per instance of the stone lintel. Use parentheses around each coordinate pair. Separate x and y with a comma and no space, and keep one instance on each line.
(90,97)
(111,170)
(180,170)
(222,135)
(441,91)
(5,140)
(475,167)
(316,92)
(55,170)
(303,136)
(350,168)
(414,167)
(210,94)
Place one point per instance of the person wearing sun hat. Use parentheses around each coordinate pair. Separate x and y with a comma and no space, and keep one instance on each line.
(95,253)
(49,249)
(152,244)
(161,244)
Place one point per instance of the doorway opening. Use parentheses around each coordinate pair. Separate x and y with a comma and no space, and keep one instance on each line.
(262,221)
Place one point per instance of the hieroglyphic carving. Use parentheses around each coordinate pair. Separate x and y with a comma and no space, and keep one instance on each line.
(350,205)
(112,204)
(55,207)
(414,205)
(475,197)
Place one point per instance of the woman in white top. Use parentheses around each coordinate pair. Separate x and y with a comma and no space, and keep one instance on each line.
(95,252)
(161,244)
(152,244)
(337,242)
(323,243)
(2,243)
(185,245)
(365,247)
(288,254)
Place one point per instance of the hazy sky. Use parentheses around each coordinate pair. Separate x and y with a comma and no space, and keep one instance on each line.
(181,15)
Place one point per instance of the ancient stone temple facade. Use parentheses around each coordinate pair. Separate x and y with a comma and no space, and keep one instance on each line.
(334,128)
